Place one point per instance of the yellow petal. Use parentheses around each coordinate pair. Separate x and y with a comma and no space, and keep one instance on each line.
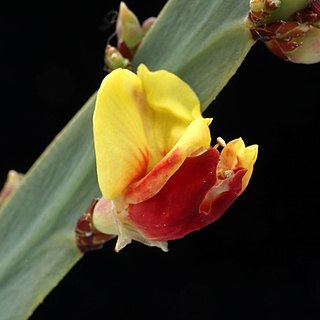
(229,154)
(246,160)
(196,136)
(166,92)
(139,122)
(236,155)
(173,106)
(119,138)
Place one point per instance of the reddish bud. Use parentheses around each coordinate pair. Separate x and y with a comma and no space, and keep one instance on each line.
(11,185)
(88,238)
(113,59)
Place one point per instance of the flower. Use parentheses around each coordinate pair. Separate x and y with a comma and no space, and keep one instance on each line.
(159,176)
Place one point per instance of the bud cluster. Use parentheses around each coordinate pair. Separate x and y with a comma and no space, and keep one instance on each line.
(293,36)
(129,33)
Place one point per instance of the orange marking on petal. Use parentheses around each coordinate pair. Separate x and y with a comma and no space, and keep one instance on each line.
(150,184)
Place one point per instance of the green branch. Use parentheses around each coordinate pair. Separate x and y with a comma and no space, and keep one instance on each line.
(204,42)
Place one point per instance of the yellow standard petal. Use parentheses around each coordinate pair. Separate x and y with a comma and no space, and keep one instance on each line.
(173,105)
(119,139)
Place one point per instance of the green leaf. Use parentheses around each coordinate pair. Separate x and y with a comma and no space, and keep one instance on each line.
(287,9)
(37,246)
(204,42)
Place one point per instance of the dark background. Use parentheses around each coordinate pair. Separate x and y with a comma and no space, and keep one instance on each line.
(261,260)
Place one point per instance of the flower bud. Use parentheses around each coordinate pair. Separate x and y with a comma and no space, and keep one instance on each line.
(147,24)
(113,59)
(310,14)
(260,10)
(128,27)
(12,183)
(291,31)
(88,238)
(308,51)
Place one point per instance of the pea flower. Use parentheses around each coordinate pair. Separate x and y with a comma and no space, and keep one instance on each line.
(159,176)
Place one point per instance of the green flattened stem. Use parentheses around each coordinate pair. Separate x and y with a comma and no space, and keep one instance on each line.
(37,246)
(287,8)
(203,42)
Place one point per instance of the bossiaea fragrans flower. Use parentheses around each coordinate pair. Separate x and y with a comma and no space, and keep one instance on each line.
(159,176)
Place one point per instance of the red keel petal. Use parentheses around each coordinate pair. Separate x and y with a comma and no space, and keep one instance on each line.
(166,216)
(191,199)
(220,197)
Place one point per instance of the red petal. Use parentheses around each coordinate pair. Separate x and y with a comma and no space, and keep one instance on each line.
(151,183)
(315,4)
(288,46)
(167,215)
(273,46)
(191,199)
(124,50)
(221,196)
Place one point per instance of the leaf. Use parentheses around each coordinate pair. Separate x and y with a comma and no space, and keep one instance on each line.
(204,42)
(37,246)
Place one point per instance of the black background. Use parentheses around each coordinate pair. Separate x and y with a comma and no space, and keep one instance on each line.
(261,260)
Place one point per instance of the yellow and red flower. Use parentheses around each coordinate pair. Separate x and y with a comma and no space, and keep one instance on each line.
(160,179)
